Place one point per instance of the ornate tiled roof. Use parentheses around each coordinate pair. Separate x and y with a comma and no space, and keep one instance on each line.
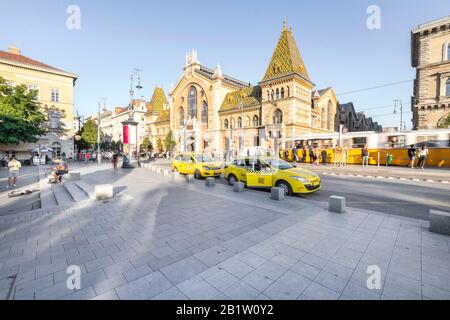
(163,116)
(286,59)
(248,96)
(158,101)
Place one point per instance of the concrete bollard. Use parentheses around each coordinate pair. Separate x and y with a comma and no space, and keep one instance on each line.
(238,187)
(73,176)
(210,182)
(153,169)
(189,178)
(104,191)
(166,172)
(176,175)
(277,194)
(158,170)
(440,222)
(336,204)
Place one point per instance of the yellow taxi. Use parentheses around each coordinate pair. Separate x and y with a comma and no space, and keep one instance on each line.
(198,164)
(272,172)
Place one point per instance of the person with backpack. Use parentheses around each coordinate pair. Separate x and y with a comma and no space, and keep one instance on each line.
(412,156)
(59,170)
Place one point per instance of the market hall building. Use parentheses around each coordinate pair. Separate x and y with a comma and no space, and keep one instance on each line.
(213,112)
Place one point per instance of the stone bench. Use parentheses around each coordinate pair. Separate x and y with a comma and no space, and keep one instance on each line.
(277,194)
(72,176)
(210,182)
(440,222)
(336,204)
(238,187)
(104,191)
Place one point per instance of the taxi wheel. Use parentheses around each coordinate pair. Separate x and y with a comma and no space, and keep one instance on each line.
(197,174)
(285,186)
(232,179)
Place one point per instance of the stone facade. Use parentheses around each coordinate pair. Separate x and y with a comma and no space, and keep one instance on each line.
(55,96)
(431,57)
(210,111)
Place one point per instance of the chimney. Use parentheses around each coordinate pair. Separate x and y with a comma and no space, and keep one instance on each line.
(14,50)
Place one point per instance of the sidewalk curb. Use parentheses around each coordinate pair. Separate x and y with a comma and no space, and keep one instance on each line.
(383,177)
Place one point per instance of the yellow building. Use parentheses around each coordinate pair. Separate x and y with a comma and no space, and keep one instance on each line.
(430,53)
(218,113)
(55,95)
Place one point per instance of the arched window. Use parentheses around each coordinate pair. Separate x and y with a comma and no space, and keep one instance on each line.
(272,95)
(447,88)
(232,125)
(255,121)
(268,95)
(205,112)
(278,93)
(282,93)
(239,122)
(323,118)
(181,116)
(192,103)
(247,122)
(288,92)
(330,116)
(278,117)
(448,51)
(225,124)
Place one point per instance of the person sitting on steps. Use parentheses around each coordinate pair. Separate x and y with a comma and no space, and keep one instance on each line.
(59,170)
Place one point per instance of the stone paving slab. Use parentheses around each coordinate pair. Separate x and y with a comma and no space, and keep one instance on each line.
(172,244)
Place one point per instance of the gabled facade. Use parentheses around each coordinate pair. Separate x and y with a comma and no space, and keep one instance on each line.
(55,89)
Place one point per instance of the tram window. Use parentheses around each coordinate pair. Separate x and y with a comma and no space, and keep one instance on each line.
(396,141)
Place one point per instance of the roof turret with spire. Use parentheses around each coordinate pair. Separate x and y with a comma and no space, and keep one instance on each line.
(286,58)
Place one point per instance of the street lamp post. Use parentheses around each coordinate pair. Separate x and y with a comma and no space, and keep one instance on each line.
(99,157)
(131,122)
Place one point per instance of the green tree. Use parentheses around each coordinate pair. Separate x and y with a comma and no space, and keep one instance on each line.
(145,144)
(169,141)
(21,119)
(89,133)
(159,145)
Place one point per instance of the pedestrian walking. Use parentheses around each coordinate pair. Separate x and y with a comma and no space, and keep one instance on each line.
(324,156)
(317,155)
(423,154)
(337,155)
(411,155)
(311,155)
(114,160)
(365,156)
(14,168)
(295,153)
(303,154)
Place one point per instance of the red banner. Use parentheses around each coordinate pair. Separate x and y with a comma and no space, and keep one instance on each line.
(125,134)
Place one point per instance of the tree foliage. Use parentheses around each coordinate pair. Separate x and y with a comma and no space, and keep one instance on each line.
(159,145)
(89,133)
(169,141)
(21,119)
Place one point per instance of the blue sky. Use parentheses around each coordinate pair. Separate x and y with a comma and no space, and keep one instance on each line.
(117,36)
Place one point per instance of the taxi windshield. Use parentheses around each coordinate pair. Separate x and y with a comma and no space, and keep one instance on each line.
(279,164)
(203,158)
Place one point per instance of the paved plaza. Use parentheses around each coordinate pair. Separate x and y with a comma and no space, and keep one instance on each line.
(161,239)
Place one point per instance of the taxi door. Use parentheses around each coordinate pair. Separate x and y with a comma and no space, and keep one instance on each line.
(259,175)
(241,170)
(189,165)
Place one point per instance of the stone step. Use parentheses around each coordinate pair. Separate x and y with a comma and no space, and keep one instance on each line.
(75,192)
(87,188)
(62,196)
(46,194)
